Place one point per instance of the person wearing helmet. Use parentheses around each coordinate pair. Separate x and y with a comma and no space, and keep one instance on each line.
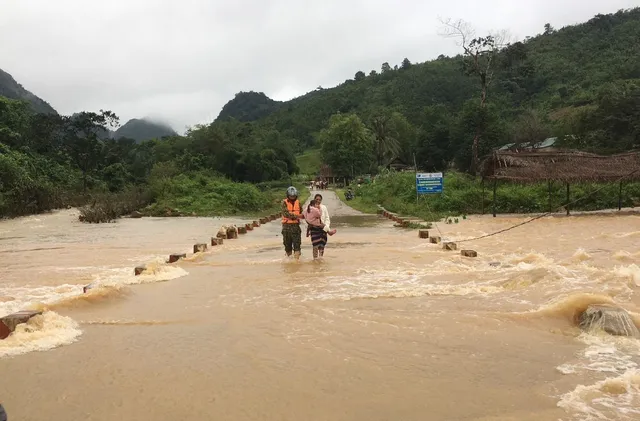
(291,216)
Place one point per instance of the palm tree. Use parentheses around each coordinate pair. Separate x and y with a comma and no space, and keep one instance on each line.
(387,143)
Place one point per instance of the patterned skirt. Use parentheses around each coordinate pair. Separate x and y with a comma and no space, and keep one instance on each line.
(318,237)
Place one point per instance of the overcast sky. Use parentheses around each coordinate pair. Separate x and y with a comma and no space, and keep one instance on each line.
(182,60)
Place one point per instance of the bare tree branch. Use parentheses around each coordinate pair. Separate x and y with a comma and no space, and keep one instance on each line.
(458,29)
(479,58)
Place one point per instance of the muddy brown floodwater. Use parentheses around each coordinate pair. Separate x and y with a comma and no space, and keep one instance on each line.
(386,327)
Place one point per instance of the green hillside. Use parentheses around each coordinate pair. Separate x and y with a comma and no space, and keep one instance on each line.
(143,129)
(248,106)
(581,80)
(309,162)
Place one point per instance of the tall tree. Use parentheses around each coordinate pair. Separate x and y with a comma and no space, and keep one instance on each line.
(480,55)
(347,145)
(83,139)
(393,135)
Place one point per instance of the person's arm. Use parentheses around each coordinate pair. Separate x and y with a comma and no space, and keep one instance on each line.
(326,219)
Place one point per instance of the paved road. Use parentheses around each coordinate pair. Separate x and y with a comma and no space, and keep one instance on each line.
(335,206)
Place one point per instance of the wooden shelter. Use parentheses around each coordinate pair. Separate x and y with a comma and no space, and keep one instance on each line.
(326,174)
(398,164)
(565,166)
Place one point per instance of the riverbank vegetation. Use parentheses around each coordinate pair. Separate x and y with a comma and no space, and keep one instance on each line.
(463,195)
(49,161)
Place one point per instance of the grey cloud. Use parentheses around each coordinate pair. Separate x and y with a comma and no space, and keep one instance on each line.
(182,60)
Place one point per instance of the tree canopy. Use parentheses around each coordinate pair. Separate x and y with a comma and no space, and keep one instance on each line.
(580,80)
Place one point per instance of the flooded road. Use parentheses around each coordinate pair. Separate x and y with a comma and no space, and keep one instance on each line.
(386,327)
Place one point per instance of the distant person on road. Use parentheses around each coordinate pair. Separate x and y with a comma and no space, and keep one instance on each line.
(291,216)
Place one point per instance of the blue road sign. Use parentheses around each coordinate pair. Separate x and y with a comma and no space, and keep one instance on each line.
(429,183)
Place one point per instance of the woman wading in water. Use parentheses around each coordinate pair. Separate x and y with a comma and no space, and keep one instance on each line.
(316,227)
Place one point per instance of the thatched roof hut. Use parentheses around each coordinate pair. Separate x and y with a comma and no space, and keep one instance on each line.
(565,165)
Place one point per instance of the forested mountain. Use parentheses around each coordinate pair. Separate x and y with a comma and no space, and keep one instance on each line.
(582,80)
(143,129)
(248,106)
(9,88)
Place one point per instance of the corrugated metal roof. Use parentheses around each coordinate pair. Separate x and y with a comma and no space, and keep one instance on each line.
(527,145)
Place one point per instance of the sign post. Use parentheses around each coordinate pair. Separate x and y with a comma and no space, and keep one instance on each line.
(428,183)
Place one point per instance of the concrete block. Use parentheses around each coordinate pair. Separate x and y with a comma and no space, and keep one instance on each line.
(232,233)
(435,239)
(8,323)
(176,256)
(449,246)
(139,269)
(215,241)
(249,227)
(255,224)
(200,248)
(242,230)
(423,234)
(469,253)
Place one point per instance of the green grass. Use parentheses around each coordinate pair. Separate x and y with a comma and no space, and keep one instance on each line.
(358,203)
(204,194)
(309,162)
(462,195)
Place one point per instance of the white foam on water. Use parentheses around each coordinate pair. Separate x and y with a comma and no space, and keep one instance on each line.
(388,284)
(605,354)
(14,298)
(611,398)
(154,272)
(52,330)
(41,333)
(581,255)
(20,298)
(519,273)
(625,256)
(631,273)
(627,234)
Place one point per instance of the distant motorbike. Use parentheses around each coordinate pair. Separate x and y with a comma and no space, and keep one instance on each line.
(349,195)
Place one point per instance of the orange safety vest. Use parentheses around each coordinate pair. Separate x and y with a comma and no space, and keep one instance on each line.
(293,208)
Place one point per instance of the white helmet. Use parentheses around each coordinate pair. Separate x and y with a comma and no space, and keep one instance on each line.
(292,191)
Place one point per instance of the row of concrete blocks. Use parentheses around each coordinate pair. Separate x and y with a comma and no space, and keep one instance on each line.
(447,245)
(9,322)
(403,222)
(225,233)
